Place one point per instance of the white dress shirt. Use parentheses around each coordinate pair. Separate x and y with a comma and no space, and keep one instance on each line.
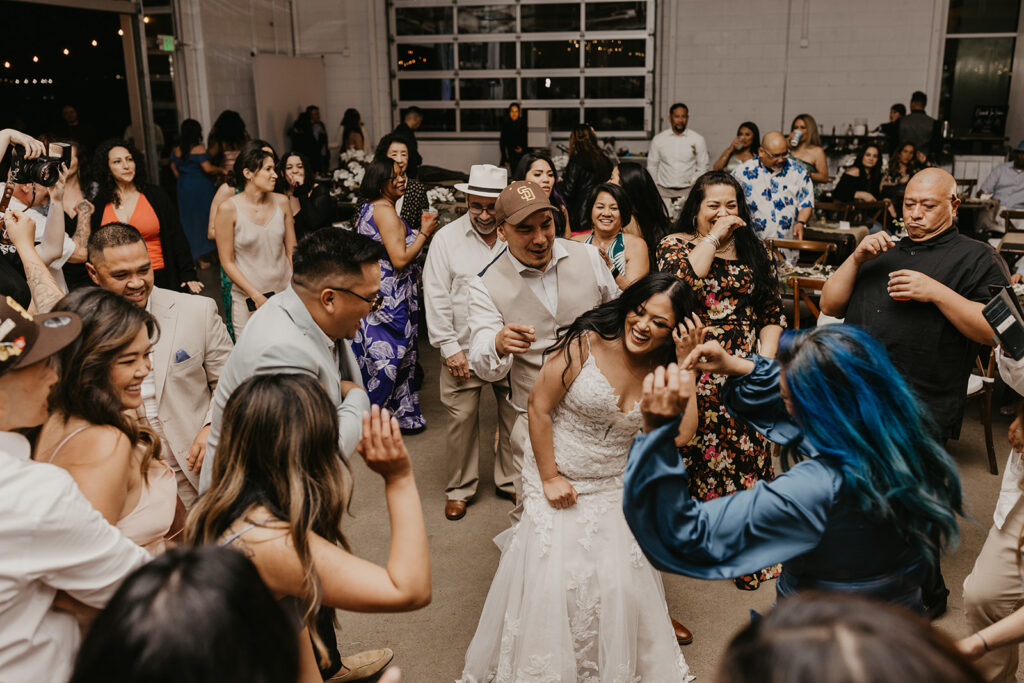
(51,538)
(1012,372)
(677,160)
(487,320)
(152,410)
(457,254)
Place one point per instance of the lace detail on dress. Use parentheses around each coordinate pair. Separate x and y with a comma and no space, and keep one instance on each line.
(574,599)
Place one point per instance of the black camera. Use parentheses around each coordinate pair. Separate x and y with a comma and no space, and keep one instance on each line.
(44,170)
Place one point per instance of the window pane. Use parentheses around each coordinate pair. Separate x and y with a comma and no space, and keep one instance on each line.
(487,88)
(976,73)
(550,17)
(426,89)
(419,21)
(558,88)
(554,54)
(983,16)
(616,52)
(606,87)
(615,118)
(435,120)
(564,119)
(425,56)
(487,55)
(616,16)
(487,19)
(476,120)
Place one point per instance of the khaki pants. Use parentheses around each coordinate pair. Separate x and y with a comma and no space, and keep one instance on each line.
(993,590)
(462,401)
(669,195)
(186,491)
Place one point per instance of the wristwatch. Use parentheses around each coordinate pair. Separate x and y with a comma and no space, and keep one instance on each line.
(615,272)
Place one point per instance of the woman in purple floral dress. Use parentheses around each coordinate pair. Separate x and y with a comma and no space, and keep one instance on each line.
(385,345)
(718,254)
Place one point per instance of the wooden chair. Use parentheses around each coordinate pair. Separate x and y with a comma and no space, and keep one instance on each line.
(802,286)
(836,211)
(981,385)
(867,213)
(824,249)
(965,186)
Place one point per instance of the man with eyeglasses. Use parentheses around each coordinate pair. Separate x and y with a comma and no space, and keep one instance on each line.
(922,297)
(457,253)
(778,190)
(306,330)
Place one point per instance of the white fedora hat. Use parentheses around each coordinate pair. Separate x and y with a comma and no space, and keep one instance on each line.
(485,180)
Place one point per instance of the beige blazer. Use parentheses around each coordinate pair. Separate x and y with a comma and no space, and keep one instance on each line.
(187,360)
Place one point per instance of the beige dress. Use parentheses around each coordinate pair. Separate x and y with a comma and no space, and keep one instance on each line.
(261,256)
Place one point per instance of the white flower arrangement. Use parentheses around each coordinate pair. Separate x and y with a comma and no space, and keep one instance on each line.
(677,207)
(440,195)
(349,177)
(560,162)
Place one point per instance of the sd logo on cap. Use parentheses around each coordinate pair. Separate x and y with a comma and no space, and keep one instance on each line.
(520,200)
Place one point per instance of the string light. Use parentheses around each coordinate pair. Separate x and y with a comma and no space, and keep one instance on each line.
(67,51)
(7,65)
(145,20)
(35,59)
(120,31)
(95,43)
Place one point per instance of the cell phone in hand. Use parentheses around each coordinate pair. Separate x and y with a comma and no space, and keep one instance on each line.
(251,305)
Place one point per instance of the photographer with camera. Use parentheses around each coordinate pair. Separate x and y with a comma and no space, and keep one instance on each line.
(35,174)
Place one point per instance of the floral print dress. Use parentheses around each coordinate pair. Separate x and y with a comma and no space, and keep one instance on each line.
(385,345)
(725,455)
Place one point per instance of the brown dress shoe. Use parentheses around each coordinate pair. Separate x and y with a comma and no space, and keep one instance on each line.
(363,665)
(683,635)
(455,509)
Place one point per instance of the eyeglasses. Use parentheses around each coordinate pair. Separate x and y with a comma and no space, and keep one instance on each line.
(768,154)
(477,209)
(375,303)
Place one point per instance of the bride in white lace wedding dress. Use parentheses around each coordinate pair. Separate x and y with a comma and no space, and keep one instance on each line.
(574,598)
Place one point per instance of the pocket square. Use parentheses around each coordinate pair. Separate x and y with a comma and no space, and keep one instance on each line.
(181,356)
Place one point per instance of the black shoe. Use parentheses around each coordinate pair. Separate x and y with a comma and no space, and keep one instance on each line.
(410,431)
(507,495)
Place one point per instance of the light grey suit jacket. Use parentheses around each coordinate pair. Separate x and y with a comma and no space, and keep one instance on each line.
(188,358)
(281,337)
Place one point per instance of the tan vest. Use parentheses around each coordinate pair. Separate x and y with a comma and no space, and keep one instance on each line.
(577,294)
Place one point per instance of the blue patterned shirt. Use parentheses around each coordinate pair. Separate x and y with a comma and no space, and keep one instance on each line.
(775,197)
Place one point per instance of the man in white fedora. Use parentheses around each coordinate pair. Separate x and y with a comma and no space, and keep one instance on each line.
(458,252)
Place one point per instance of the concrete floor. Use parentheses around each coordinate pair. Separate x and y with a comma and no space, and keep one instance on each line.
(430,644)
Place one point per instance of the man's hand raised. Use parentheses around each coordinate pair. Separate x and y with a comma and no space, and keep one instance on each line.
(873,246)
(514,338)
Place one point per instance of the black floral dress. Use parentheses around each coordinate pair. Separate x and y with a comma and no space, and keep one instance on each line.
(725,455)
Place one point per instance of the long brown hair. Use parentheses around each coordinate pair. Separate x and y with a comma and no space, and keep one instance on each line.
(583,145)
(279,449)
(109,324)
(813,136)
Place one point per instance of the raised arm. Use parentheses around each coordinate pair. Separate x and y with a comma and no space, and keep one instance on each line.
(41,284)
(392,234)
(836,293)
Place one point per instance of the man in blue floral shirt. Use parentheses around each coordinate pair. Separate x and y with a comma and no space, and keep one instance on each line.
(778,190)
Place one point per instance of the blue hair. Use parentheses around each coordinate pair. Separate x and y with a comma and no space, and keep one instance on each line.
(856,409)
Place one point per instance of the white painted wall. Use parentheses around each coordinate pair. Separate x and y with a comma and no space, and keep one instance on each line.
(731,61)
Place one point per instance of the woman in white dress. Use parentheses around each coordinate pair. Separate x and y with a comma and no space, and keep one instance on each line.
(574,598)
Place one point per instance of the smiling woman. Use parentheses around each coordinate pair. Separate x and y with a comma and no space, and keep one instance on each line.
(113,457)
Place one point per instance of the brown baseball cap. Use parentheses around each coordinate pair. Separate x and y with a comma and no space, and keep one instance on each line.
(518,201)
(26,339)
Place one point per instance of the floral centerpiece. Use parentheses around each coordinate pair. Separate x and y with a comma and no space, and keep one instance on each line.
(440,195)
(349,176)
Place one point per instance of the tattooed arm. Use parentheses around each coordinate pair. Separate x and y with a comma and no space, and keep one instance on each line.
(45,291)
(83,229)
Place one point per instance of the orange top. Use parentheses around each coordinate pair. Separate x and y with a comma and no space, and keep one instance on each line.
(145,221)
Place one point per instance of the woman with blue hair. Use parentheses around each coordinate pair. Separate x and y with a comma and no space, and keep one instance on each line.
(869,506)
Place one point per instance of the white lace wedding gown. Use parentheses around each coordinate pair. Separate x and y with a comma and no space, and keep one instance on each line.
(574,598)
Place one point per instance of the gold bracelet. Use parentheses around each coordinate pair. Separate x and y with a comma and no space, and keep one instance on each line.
(711,239)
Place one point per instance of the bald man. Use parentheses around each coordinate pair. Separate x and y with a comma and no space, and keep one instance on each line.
(778,190)
(922,297)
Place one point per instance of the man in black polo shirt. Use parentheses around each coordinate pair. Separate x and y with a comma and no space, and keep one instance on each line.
(922,297)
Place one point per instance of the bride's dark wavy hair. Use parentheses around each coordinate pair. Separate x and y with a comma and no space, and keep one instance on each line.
(609,319)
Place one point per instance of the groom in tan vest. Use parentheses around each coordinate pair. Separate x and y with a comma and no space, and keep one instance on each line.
(535,286)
